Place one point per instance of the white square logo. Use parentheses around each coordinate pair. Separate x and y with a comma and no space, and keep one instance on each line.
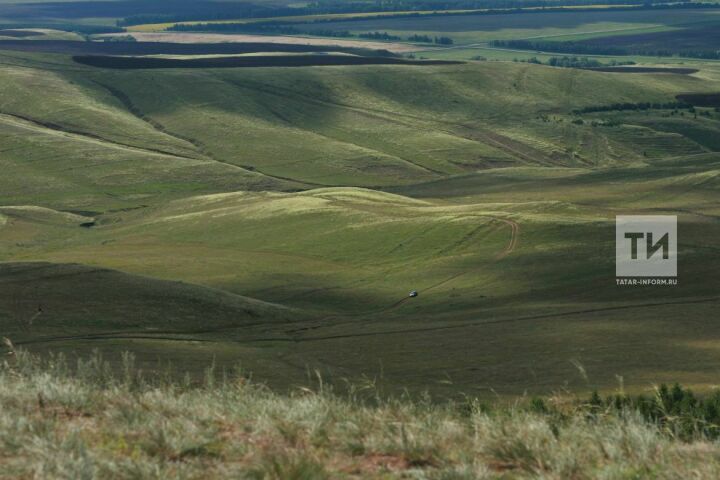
(646,246)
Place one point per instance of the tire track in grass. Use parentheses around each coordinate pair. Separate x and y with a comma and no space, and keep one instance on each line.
(493,322)
(509,248)
(148,335)
(145,334)
(371,334)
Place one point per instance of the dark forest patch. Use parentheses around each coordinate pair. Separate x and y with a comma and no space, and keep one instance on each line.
(676,70)
(70,47)
(249,61)
(690,39)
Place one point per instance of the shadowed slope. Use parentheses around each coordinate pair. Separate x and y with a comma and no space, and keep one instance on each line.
(44,300)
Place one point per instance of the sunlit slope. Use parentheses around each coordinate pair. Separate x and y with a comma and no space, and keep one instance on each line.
(680,184)
(81,148)
(495,240)
(74,106)
(121,138)
(513,294)
(514,266)
(392,125)
(330,249)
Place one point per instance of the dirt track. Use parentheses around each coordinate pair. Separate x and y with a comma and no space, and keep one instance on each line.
(512,243)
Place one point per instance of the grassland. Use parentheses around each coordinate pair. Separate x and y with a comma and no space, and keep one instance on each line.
(298,207)
(81,421)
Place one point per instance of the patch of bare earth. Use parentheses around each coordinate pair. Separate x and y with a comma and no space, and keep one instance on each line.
(185,37)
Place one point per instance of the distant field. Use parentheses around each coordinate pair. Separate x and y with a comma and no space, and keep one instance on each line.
(154,48)
(107,12)
(701,99)
(472,33)
(508,54)
(158,27)
(155,27)
(197,38)
(686,40)
(471,29)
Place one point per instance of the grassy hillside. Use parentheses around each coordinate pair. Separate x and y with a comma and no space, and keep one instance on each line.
(327,194)
(73,308)
(218,130)
(487,272)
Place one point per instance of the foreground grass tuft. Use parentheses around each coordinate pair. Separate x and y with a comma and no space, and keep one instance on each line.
(83,421)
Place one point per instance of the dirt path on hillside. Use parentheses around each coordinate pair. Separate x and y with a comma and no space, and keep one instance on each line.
(509,248)
(514,237)
(514,148)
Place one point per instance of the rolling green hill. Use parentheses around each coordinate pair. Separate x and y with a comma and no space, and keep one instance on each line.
(300,206)
(139,134)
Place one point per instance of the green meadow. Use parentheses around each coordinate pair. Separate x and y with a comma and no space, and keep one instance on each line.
(277,218)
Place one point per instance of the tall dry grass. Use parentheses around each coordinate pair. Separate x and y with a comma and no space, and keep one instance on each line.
(84,421)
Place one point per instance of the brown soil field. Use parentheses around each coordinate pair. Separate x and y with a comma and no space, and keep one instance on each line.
(186,37)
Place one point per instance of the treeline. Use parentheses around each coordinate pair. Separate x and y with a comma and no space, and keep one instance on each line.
(558,47)
(428,39)
(584,48)
(379,36)
(321,33)
(633,106)
(575,62)
(284,28)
